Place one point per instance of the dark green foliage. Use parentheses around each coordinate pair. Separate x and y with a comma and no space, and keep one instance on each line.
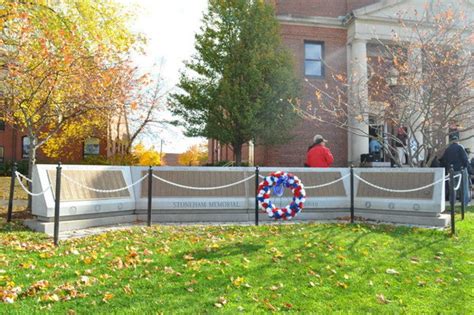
(238,86)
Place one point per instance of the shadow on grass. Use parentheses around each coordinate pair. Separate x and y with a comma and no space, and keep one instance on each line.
(225,251)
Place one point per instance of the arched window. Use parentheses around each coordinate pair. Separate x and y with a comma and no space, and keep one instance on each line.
(25,147)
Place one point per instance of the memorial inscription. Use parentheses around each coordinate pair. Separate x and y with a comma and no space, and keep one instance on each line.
(206,204)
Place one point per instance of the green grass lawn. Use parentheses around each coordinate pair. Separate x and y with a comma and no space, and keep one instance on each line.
(317,268)
(5,189)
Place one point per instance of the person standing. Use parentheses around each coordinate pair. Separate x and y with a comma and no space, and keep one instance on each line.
(375,148)
(318,154)
(456,156)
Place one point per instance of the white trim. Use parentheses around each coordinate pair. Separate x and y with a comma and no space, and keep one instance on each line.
(320,21)
(376,7)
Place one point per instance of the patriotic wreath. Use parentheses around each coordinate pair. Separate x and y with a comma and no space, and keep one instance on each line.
(280,180)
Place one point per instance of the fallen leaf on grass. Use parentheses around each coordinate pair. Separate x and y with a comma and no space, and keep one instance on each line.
(50,298)
(188,257)
(276,287)
(392,271)
(36,287)
(270,306)
(237,281)
(169,269)
(117,263)
(221,301)
(342,284)
(381,299)
(127,289)
(107,297)
(414,260)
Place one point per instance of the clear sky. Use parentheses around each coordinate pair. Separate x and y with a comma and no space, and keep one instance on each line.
(170,26)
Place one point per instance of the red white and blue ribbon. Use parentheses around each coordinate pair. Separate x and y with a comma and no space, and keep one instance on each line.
(281,179)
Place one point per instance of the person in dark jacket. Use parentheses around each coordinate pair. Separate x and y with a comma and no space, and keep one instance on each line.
(318,154)
(456,156)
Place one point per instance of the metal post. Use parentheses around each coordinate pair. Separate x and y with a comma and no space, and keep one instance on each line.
(352,194)
(256,194)
(452,198)
(57,202)
(12,193)
(150,193)
(462,187)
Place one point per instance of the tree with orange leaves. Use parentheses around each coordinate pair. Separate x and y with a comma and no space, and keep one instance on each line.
(66,67)
(194,156)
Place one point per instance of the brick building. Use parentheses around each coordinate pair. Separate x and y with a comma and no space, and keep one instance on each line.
(14,146)
(326,38)
(111,140)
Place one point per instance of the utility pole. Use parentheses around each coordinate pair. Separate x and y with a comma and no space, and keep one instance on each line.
(161,150)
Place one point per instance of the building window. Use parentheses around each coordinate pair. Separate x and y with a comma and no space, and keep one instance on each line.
(313,59)
(25,147)
(2,154)
(91,147)
(2,125)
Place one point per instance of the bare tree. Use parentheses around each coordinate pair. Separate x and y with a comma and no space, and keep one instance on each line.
(144,110)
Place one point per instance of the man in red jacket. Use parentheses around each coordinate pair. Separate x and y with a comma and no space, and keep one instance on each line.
(318,154)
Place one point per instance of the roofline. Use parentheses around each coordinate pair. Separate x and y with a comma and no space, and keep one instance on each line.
(375,7)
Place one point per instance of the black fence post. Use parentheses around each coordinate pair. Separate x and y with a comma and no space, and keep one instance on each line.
(150,193)
(256,194)
(462,187)
(12,193)
(57,204)
(452,198)
(352,194)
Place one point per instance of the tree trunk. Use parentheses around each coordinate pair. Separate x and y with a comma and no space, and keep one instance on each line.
(238,154)
(31,164)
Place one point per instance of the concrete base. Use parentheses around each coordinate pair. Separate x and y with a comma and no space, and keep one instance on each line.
(48,227)
(237,216)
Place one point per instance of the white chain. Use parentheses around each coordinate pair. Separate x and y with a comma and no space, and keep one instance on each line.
(26,189)
(319,186)
(203,188)
(459,182)
(23,176)
(103,190)
(399,190)
(328,184)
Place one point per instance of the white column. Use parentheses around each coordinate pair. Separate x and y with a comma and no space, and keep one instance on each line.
(469,143)
(359,101)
